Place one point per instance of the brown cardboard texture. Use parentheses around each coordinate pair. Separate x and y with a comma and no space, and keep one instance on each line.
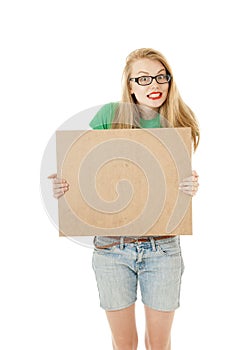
(124,182)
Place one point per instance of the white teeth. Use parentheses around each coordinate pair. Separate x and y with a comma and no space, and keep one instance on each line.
(154,94)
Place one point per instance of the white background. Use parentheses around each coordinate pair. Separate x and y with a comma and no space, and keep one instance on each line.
(59,58)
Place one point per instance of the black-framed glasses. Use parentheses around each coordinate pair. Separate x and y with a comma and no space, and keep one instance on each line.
(147,79)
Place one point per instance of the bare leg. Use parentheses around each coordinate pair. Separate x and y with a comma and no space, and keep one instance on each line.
(158,329)
(123,327)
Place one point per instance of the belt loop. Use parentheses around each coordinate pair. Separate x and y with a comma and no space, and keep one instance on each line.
(152,241)
(121,242)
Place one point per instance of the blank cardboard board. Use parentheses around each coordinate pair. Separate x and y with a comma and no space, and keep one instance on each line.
(124,182)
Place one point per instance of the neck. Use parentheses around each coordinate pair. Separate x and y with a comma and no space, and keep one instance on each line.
(147,113)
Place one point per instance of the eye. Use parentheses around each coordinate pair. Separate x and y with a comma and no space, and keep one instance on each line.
(162,77)
(144,80)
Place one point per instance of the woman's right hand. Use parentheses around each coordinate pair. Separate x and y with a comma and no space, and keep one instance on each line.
(60,186)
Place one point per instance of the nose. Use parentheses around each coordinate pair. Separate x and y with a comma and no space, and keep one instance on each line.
(154,83)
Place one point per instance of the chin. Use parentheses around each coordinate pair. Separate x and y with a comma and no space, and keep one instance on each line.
(155,105)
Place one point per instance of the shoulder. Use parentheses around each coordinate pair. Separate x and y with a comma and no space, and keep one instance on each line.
(108,108)
(104,117)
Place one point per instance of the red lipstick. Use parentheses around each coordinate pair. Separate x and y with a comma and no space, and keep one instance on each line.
(154,95)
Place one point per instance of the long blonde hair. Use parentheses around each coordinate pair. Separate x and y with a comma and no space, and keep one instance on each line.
(176,112)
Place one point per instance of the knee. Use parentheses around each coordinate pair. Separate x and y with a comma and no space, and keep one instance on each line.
(125,344)
(157,344)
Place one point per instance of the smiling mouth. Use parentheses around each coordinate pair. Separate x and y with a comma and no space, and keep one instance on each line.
(154,95)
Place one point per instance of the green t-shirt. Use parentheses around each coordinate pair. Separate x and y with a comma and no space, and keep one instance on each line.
(104,117)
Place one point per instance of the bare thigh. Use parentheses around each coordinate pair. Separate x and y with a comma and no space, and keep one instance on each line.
(158,329)
(123,327)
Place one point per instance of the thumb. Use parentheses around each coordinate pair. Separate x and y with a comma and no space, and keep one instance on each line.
(52,176)
(194,173)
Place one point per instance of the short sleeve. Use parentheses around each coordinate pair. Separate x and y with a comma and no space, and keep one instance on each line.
(104,117)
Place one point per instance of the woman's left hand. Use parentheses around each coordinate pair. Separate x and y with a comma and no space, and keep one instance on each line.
(190,184)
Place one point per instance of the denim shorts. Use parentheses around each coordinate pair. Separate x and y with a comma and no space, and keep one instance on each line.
(156,265)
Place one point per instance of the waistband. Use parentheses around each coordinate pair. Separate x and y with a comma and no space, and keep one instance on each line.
(122,240)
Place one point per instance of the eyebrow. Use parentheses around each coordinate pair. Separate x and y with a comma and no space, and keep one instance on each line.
(141,71)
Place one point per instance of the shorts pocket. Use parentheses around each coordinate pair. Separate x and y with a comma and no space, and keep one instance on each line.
(170,248)
(101,242)
(104,250)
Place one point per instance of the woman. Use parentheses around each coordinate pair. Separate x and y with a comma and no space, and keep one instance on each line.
(150,99)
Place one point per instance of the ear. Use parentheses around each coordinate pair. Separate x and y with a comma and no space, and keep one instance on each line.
(131,89)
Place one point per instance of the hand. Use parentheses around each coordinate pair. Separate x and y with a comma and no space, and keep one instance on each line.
(189,185)
(60,186)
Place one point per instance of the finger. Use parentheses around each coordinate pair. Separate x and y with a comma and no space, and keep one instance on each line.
(55,179)
(188,189)
(191,190)
(194,173)
(57,187)
(60,189)
(190,178)
(189,184)
(190,193)
(193,177)
(59,181)
(59,193)
(52,176)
